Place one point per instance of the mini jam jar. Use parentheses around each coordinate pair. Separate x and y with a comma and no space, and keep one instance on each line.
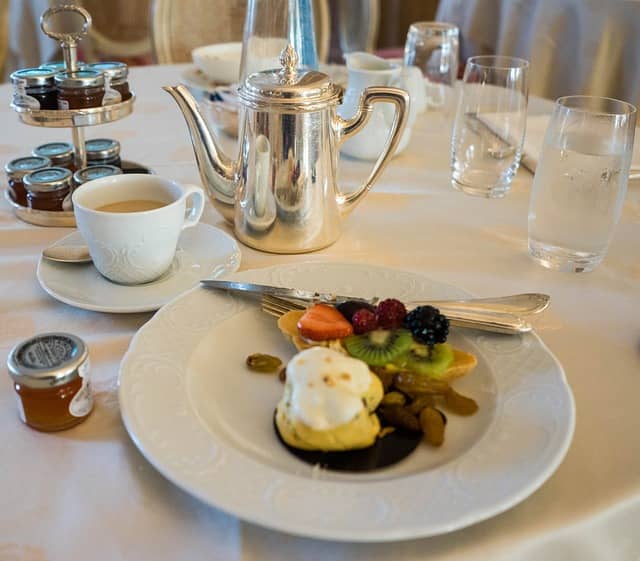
(118,72)
(38,85)
(94,172)
(60,154)
(82,89)
(17,169)
(50,377)
(103,151)
(49,189)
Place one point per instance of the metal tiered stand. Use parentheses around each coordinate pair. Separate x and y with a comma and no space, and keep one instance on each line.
(75,119)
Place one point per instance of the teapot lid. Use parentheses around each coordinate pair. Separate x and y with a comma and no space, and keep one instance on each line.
(289,89)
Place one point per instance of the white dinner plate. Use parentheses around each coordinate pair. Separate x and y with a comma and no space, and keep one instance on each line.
(203,251)
(205,421)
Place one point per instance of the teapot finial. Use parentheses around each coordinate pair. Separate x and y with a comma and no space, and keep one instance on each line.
(289,62)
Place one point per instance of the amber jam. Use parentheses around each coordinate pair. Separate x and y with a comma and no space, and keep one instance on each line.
(118,72)
(17,169)
(49,189)
(103,151)
(60,154)
(82,89)
(50,377)
(38,83)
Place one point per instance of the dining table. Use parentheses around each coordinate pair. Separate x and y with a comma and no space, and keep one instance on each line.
(88,493)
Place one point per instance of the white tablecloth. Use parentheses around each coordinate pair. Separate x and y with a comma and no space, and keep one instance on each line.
(87,493)
(575,46)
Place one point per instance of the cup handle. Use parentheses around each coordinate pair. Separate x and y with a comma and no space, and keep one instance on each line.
(192,216)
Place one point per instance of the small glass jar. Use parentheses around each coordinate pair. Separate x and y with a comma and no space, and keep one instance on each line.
(49,189)
(17,169)
(79,90)
(50,377)
(118,72)
(102,151)
(39,84)
(94,172)
(60,154)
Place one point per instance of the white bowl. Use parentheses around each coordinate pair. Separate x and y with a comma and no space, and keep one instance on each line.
(219,62)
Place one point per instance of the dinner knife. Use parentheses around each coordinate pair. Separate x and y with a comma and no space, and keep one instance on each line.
(280,292)
(513,305)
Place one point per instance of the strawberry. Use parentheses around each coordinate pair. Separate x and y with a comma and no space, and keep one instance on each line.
(322,322)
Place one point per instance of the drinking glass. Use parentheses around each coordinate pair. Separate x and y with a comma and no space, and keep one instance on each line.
(432,46)
(489,127)
(269,26)
(580,182)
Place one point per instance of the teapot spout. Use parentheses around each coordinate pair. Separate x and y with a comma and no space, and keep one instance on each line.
(217,170)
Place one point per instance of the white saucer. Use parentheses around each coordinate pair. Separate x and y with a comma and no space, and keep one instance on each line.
(203,252)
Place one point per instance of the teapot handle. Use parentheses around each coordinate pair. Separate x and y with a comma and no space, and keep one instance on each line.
(346,128)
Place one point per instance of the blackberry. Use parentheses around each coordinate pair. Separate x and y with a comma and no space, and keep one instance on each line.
(427,325)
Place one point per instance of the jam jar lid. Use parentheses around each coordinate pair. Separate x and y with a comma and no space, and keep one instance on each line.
(48,360)
(80,79)
(57,151)
(118,71)
(95,172)
(102,148)
(289,89)
(20,167)
(48,179)
(60,66)
(33,77)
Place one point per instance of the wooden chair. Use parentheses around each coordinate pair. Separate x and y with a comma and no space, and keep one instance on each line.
(120,30)
(178,27)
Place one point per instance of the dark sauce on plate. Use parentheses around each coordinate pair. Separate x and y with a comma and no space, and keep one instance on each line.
(388,450)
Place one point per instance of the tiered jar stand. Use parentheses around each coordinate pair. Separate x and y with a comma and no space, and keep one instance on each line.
(75,119)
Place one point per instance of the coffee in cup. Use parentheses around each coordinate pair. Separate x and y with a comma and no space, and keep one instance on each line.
(132,223)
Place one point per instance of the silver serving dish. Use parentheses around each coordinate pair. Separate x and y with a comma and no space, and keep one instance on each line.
(61,118)
(60,219)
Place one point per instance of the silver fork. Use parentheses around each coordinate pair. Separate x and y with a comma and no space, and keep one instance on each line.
(496,322)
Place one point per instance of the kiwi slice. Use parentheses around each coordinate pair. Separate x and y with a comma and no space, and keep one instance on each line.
(420,359)
(379,347)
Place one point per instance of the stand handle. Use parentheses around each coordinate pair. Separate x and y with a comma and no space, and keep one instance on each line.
(71,35)
(73,29)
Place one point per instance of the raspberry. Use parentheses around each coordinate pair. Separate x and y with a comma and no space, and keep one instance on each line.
(427,325)
(390,313)
(363,321)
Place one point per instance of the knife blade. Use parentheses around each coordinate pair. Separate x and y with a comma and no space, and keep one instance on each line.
(281,292)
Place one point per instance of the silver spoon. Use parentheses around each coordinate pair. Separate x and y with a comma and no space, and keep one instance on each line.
(68,253)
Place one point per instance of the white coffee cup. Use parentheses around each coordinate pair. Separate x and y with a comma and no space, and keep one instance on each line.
(135,247)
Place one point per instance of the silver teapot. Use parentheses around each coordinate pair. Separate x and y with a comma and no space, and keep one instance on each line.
(280,194)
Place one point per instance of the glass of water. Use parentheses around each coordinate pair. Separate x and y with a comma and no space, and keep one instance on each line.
(580,182)
(489,127)
(432,46)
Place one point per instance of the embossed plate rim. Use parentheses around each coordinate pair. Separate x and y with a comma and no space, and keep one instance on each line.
(456,494)
(229,266)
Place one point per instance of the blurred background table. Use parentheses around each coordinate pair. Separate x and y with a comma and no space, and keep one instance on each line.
(87,493)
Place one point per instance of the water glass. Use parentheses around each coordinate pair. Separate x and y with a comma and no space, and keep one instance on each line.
(432,46)
(580,182)
(489,127)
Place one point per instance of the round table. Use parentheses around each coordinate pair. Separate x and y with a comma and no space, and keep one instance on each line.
(87,493)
